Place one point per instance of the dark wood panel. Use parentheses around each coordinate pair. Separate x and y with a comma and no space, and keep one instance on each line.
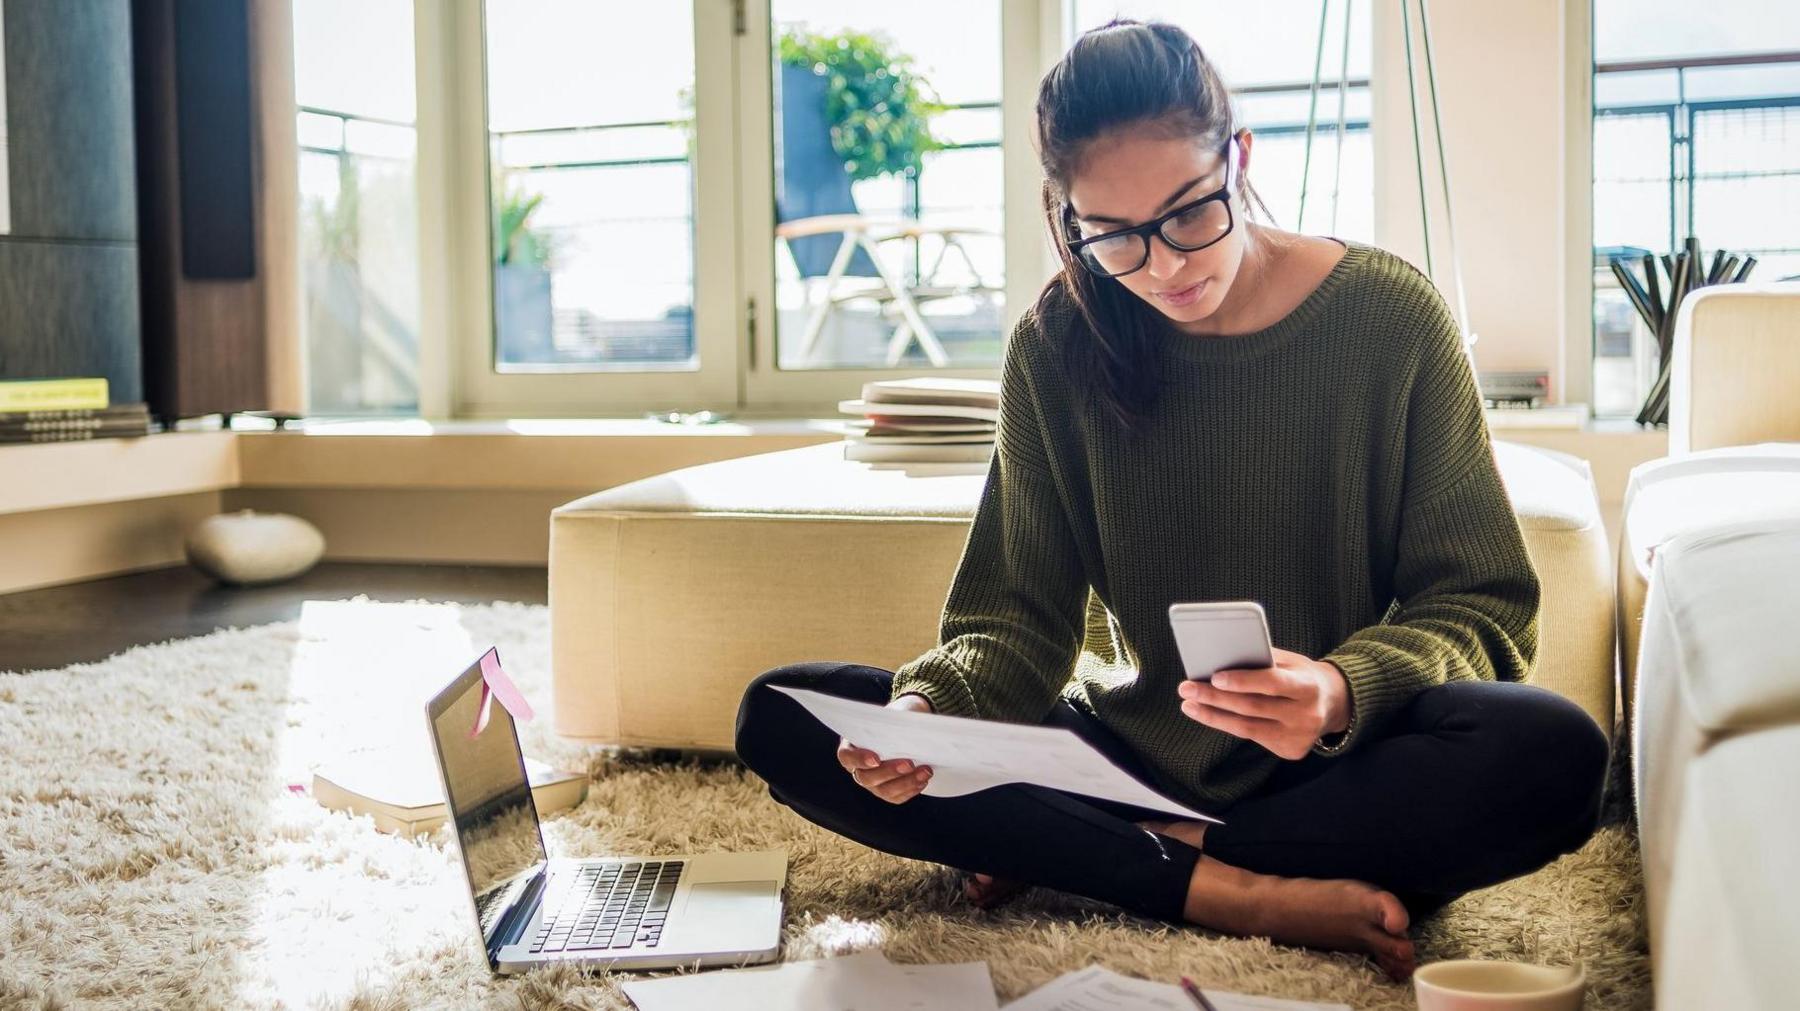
(83,622)
(70,309)
(205,344)
(69,119)
(214,140)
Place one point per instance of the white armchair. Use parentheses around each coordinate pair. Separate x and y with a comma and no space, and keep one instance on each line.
(1734,383)
(1735,377)
(1709,584)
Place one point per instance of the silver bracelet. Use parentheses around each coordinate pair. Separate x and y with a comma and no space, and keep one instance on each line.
(1343,738)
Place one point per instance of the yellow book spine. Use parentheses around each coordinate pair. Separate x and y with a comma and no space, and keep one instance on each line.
(53,394)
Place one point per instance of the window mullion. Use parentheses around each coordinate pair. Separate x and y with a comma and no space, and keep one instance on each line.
(1031,33)
(753,122)
(434,120)
(719,294)
(456,296)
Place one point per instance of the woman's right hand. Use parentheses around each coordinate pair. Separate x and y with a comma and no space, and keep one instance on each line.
(896,780)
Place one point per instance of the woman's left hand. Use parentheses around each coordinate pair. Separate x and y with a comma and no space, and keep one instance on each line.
(1285,708)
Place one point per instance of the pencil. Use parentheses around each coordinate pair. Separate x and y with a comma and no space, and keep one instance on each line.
(1194,994)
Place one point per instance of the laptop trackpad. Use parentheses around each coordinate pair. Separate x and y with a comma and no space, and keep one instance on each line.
(740,901)
(730,916)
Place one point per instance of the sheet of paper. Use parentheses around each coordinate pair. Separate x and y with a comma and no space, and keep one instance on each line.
(968,755)
(1097,988)
(936,987)
(865,981)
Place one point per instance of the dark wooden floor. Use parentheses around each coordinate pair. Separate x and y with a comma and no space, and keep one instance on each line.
(83,622)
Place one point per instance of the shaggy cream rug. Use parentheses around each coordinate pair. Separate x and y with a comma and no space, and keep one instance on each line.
(152,853)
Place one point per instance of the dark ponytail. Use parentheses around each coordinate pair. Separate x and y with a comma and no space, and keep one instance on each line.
(1123,73)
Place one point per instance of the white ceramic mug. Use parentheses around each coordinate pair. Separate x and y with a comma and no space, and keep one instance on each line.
(1476,985)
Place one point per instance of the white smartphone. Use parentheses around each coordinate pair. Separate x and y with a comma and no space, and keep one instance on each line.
(1222,635)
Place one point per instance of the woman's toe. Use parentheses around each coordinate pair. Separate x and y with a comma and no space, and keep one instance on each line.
(1396,958)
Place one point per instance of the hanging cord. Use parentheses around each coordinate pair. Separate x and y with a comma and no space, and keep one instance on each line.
(1312,117)
(1337,169)
(1437,126)
(1412,93)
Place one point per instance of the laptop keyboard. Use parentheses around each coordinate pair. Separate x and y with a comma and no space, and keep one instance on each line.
(612,905)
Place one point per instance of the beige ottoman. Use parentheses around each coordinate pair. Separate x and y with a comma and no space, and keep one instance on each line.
(670,594)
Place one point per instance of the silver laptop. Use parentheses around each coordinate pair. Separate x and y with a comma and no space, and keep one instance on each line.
(610,912)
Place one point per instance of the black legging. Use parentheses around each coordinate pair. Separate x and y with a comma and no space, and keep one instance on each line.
(1474,782)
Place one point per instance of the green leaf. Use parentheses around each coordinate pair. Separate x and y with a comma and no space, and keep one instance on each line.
(879,106)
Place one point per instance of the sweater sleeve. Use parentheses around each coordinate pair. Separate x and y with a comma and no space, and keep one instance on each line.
(1466,595)
(1012,624)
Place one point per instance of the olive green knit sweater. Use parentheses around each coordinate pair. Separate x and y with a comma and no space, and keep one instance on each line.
(1335,467)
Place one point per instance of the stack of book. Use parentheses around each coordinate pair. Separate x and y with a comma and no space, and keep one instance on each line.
(400,790)
(924,420)
(65,410)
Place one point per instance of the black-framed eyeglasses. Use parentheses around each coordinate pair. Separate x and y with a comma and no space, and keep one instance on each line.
(1192,226)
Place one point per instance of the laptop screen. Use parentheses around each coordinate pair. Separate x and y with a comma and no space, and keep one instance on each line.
(489,796)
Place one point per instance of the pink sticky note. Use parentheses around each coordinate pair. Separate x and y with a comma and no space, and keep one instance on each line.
(495,684)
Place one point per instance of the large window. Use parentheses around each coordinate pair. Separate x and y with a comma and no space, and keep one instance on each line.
(565,208)
(592,188)
(359,209)
(889,184)
(746,206)
(1696,132)
(1266,53)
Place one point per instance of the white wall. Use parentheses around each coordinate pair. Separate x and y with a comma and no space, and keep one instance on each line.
(1513,82)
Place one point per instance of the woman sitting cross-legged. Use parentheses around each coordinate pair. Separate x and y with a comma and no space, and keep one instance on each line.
(1201,407)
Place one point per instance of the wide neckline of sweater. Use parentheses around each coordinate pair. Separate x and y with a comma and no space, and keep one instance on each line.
(1237,347)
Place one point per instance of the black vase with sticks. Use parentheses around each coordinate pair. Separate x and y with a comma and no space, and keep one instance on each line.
(1686,271)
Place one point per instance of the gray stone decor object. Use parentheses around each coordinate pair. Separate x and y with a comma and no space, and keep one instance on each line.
(247,547)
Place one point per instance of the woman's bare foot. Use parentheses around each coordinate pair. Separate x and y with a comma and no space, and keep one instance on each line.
(1339,914)
(988,892)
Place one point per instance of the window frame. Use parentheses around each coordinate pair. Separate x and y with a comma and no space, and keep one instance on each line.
(734,214)
(1025,27)
(734,245)
(1681,116)
(456,254)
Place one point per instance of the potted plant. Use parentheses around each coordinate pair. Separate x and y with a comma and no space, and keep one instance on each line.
(879,108)
(523,259)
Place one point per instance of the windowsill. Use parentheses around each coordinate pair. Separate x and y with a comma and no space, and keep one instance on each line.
(576,456)
(1499,426)
(771,425)
(1621,426)
(556,427)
